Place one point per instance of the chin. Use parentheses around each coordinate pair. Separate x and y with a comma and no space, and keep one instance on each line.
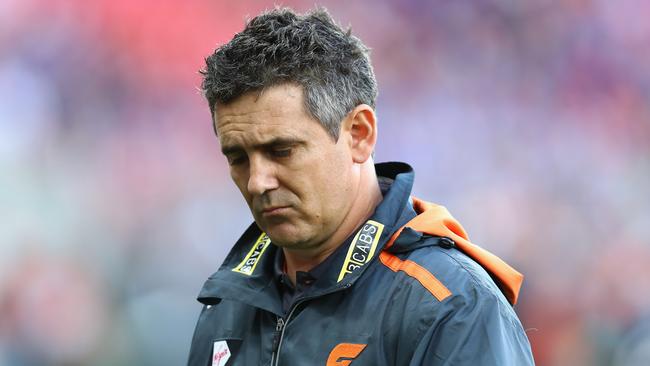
(285,241)
(286,238)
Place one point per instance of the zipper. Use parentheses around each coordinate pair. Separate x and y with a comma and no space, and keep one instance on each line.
(281,323)
(279,335)
(279,326)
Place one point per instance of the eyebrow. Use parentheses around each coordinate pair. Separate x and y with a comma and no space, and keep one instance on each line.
(278,141)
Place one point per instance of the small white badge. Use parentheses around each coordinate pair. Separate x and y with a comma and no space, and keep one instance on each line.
(220,353)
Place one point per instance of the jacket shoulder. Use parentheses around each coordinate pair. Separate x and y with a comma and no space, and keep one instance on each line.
(472,324)
(444,271)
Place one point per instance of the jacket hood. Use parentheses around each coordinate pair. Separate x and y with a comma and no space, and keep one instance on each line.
(435,220)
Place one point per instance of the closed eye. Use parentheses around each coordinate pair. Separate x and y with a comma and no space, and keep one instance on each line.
(236,159)
(281,152)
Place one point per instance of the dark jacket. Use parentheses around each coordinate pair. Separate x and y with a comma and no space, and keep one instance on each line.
(406,289)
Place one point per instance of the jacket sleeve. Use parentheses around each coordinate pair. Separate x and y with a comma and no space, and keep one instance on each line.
(480,328)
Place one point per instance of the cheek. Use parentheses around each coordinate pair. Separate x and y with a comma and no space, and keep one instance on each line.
(241,182)
(322,183)
(334,183)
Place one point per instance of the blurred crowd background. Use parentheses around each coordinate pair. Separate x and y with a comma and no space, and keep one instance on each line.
(529,120)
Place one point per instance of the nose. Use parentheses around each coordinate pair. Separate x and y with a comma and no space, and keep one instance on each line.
(262,177)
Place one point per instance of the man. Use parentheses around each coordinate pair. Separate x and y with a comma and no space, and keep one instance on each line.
(341,265)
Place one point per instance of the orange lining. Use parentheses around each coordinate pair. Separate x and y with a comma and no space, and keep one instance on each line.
(428,280)
(436,220)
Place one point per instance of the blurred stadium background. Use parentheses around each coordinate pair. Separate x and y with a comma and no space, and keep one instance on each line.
(529,120)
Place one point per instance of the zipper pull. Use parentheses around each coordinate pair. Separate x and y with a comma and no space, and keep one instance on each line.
(278,331)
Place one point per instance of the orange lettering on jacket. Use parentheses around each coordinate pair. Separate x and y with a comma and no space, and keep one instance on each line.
(344,353)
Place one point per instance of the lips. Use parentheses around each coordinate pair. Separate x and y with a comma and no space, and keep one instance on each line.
(273,210)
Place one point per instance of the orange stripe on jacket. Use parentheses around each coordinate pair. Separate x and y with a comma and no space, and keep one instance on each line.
(428,280)
(435,220)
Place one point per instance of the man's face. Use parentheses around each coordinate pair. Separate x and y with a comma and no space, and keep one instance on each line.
(295,178)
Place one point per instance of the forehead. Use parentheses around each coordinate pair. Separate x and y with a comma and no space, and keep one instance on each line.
(256,117)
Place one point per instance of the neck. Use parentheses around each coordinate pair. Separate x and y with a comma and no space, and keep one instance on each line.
(366,199)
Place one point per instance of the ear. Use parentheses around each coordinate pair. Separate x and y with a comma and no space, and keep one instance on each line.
(361,127)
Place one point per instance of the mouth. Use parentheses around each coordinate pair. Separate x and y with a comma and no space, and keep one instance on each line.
(274,210)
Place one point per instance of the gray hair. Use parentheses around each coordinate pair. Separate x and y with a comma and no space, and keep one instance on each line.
(331,65)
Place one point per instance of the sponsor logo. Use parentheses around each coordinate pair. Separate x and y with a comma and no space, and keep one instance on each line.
(247,266)
(362,248)
(220,353)
(344,353)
